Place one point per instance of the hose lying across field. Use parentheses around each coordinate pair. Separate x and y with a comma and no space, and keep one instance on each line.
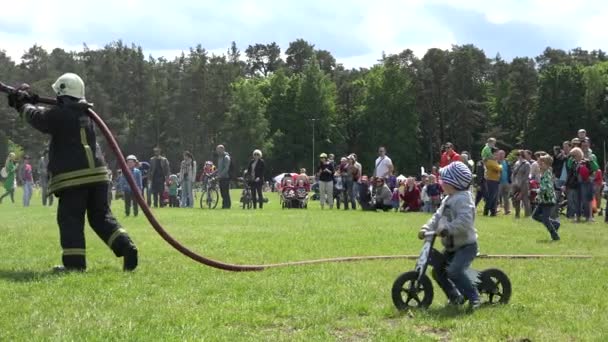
(233,267)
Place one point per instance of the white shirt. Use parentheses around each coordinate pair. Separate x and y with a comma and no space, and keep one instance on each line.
(535,171)
(382,166)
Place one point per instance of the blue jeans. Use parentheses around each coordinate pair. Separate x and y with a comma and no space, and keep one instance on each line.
(572,197)
(491,197)
(27,193)
(427,207)
(543,214)
(452,274)
(349,194)
(584,196)
(187,199)
(355,191)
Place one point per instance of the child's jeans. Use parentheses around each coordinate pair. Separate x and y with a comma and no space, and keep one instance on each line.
(130,201)
(395,204)
(452,274)
(428,207)
(543,214)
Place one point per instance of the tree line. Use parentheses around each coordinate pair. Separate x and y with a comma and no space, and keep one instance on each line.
(257,99)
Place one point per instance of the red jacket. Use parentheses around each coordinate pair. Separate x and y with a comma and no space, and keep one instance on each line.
(411,199)
(446,158)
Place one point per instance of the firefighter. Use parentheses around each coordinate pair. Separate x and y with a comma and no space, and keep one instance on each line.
(78,175)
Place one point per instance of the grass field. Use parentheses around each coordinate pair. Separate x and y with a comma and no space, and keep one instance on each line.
(171,298)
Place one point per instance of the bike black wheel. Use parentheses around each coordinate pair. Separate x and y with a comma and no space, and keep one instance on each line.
(494,286)
(202,199)
(408,292)
(213,200)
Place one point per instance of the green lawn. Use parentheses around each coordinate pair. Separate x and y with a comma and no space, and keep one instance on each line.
(172,298)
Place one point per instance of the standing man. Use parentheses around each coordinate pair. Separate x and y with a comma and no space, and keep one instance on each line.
(43,172)
(159,173)
(384,165)
(449,155)
(223,175)
(504,188)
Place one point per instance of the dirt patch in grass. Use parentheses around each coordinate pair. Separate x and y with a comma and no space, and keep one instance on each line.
(440,334)
(351,334)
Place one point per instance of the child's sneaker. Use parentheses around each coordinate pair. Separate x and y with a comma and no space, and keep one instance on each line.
(474,304)
(456,301)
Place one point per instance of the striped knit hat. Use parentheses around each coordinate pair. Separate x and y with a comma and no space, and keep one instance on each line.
(457,175)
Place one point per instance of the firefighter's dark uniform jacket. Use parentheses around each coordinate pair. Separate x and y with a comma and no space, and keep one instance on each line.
(73,156)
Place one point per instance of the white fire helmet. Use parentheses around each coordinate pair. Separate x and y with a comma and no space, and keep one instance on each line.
(69,84)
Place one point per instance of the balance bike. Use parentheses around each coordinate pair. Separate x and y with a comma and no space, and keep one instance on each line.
(414,289)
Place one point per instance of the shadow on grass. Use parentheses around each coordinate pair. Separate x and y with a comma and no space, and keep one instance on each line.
(24,276)
(442,313)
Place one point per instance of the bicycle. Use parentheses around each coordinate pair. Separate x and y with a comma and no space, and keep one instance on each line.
(210,194)
(246,195)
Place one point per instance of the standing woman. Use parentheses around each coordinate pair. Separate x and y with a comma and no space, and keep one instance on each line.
(256,170)
(10,167)
(325,174)
(351,179)
(187,174)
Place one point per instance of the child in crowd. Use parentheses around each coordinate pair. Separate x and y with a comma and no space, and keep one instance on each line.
(434,192)
(427,205)
(128,195)
(395,198)
(454,223)
(391,182)
(301,188)
(546,199)
(486,152)
(173,185)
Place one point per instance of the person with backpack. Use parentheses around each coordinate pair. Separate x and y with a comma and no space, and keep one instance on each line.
(223,175)
(581,182)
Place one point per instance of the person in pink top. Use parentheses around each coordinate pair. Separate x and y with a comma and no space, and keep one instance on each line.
(28,181)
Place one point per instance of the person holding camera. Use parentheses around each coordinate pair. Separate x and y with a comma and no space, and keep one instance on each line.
(449,155)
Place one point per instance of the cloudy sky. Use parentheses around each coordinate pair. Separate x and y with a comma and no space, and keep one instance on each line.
(355,31)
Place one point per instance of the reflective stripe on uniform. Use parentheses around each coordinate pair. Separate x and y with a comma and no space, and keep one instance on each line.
(78,173)
(87,148)
(56,186)
(74,251)
(115,235)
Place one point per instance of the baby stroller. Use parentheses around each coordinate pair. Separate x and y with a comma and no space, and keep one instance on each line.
(294,196)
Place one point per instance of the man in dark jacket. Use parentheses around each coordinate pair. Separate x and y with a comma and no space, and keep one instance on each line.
(78,175)
(223,175)
(158,176)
